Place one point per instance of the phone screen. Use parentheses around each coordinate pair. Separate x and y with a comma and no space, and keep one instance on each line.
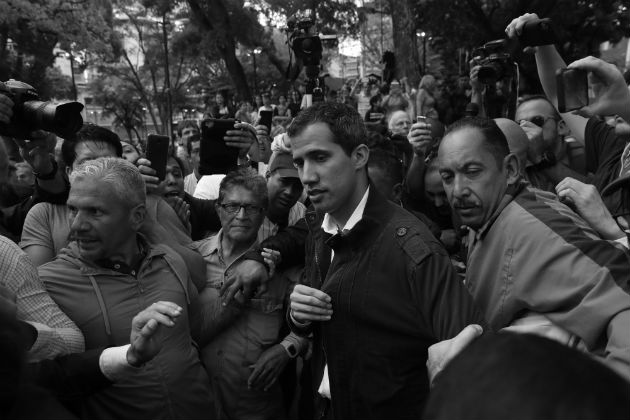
(215,157)
(572,88)
(157,153)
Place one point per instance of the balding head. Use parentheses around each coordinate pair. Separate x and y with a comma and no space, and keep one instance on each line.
(516,138)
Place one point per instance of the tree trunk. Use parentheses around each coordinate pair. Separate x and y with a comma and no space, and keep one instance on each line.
(405,43)
(213,16)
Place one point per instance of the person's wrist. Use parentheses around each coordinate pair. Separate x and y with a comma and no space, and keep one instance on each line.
(132,359)
(611,231)
(297,322)
(290,349)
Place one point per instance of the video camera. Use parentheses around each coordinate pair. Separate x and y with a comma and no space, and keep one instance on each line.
(30,114)
(496,57)
(306,46)
(498,69)
(495,61)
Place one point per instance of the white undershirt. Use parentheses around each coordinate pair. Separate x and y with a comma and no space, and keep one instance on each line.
(330,226)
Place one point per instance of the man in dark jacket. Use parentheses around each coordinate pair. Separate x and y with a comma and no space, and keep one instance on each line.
(378,288)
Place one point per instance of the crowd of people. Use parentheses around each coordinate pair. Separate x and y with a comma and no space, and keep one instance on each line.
(357,259)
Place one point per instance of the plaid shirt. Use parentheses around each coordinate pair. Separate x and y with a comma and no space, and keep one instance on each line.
(56,333)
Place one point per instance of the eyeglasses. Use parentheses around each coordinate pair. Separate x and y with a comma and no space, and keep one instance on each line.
(233,208)
(538,120)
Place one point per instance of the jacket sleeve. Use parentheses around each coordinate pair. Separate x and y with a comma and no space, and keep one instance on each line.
(290,242)
(442,297)
(69,377)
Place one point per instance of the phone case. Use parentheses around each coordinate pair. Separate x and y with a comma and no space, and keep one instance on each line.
(215,157)
(266,117)
(157,153)
(571,89)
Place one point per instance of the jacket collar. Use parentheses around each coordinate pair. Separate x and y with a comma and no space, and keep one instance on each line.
(89,268)
(377,211)
(510,194)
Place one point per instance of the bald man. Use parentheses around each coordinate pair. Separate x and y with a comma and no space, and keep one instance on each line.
(517,140)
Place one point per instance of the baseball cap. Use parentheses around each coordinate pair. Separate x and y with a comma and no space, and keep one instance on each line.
(283,164)
(624,174)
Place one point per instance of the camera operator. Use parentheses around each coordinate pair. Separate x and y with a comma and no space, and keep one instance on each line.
(50,184)
(603,147)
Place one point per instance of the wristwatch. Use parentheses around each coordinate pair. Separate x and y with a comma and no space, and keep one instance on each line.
(48,176)
(290,349)
(547,160)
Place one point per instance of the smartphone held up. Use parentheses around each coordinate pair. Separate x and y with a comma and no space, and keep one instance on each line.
(572,89)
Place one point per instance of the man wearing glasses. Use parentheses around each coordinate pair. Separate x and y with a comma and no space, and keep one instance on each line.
(245,385)
(550,157)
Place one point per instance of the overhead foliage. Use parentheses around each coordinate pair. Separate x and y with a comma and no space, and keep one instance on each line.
(465,24)
(31,30)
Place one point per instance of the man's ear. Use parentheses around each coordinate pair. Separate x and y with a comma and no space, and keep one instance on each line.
(137,216)
(360,156)
(68,170)
(397,193)
(512,167)
(563,129)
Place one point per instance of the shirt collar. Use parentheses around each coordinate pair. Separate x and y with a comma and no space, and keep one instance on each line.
(329,225)
(211,245)
(512,191)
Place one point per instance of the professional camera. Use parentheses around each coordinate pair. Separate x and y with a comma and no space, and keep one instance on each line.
(306,46)
(495,61)
(30,114)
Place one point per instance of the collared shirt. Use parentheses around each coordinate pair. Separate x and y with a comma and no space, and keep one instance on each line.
(330,226)
(190,183)
(216,269)
(56,333)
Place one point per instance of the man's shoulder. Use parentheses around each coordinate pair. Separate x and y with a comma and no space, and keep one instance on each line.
(63,266)
(411,235)
(535,215)
(47,210)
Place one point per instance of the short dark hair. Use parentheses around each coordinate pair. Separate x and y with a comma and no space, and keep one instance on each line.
(495,141)
(538,97)
(388,163)
(247,178)
(524,376)
(344,122)
(89,132)
(185,124)
(180,163)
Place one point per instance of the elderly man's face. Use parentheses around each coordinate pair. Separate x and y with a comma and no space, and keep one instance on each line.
(100,222)
(400,123)
(473,181)
(241,215)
